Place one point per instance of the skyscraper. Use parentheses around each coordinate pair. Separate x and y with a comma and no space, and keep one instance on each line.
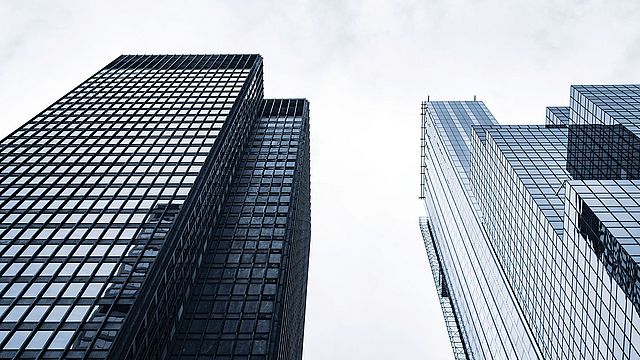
(533,231)
(160,209)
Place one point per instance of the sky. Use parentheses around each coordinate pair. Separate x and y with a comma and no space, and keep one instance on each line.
(364,66)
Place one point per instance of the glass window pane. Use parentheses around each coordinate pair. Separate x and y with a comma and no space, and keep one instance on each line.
(61,340)
(57,313)
(36,313)
(39,339)
(16,340)
(77,313)
(16,313)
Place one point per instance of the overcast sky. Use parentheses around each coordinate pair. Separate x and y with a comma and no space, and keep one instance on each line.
(364,66)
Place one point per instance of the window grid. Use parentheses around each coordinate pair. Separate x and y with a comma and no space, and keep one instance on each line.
(557,205)
(80,187)
(239,308)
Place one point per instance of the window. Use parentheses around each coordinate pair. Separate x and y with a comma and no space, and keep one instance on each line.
(39,340)
(16,341)
(61,340)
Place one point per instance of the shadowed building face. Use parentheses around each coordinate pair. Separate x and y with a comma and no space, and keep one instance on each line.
(111,198)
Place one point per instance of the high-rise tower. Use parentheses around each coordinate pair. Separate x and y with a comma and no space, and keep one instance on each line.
(161,201)
(533,230)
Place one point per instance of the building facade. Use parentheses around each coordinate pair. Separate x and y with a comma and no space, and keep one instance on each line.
(535,228)
(162,200)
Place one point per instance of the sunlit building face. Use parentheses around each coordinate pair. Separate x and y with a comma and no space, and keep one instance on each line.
(533,231)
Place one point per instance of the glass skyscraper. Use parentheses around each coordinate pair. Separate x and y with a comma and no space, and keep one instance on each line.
(161,209)
(533,231)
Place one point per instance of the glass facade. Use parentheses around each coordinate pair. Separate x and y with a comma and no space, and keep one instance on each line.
(557,205)
(262,240)
(490,319)
(111,197)
(451,321)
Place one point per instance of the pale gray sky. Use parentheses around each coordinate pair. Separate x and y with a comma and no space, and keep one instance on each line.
(364,66)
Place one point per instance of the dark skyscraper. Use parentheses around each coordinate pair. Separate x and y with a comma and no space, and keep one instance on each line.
(161,209)
(533,231)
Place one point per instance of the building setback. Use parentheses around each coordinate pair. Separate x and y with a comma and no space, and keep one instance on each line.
(533,231)
(159,210)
